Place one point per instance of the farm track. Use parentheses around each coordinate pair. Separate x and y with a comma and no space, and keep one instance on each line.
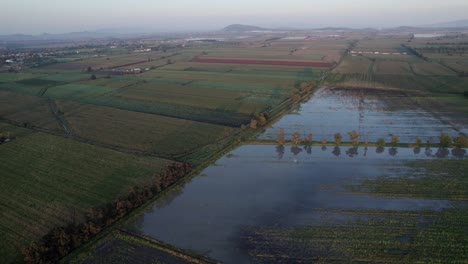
(62,121)
(184,255)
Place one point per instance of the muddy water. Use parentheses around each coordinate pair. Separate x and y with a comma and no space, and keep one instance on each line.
(265,186)
(373,114)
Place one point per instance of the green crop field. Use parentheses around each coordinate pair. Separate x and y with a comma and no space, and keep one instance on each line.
(44,183)
(27,111)
(153,134)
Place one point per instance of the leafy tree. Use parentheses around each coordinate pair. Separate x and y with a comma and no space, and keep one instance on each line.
(309,138)
(395,140)
(93,77)
(262,120)
(324,141)
(461,142)
(445,140)
(338,137)
(380,142)
(354,137)
(418,141)
(281,139)
(253,123)
(296,138)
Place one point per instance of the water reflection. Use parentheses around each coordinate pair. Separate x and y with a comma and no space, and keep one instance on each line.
(280,151)
(324,148)
(308,149)
(393,151)
(442,153)
(255,190)
(379,150)
(417,150)
(296,150)
(351,152)
(459,153)
(428,152)
(336,151)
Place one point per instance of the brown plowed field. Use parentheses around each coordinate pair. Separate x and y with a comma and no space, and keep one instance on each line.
(265,62)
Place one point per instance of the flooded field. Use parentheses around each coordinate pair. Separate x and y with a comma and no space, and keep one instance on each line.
(290,204)
(257,187)
(373,113)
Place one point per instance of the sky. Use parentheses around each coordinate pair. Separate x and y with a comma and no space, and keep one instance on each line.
(61,16)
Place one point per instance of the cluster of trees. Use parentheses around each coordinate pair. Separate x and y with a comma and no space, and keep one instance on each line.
(259,119)
(62,240)
(304,88)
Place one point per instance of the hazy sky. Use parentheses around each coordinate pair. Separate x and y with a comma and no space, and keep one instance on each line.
(55,16)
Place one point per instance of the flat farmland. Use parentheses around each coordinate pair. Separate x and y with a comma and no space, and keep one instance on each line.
(51,171)
(264,62)
(28,111)
(153,134)
(202,97)
(319,50)
(392,67)
(427,68)
(354,65)
(104,62)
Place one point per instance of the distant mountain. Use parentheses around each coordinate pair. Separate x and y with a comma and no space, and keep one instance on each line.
(241,28)
(451,24)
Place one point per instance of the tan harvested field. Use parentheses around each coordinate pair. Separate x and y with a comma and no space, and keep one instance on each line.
(163,136)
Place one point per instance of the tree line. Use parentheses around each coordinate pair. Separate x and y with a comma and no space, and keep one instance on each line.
(445,140)
(60,241)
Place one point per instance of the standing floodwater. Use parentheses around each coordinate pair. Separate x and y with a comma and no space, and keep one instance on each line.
(261,186)
(371,112)
(268,204)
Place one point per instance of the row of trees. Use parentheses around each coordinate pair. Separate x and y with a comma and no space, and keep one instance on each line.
(62,240)
(445,140)
(261,119)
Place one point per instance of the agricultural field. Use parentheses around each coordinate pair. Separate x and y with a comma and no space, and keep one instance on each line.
(44,183)
(28,111)
(450,50)
(148,133)
(125,126)
(392,67)
(88,129)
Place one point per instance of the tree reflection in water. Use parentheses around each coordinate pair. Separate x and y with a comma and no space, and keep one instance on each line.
(296,150)
(280,151)
(442,153)
(458,152)
(336,151)
(379,150)
(351,152)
